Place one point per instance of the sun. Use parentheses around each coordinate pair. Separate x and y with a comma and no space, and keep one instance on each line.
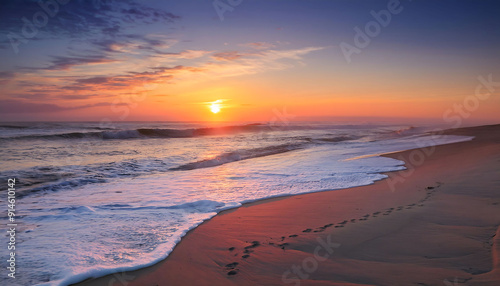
(215,106)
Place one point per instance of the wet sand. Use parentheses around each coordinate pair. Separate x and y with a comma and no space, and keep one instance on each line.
(436,223)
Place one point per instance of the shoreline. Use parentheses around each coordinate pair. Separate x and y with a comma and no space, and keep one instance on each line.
(213,261)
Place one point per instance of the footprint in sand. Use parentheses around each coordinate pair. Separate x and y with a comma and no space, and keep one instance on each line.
(307,230)
(321,228)
(254,244)
(283,245)
(231,248)
(231,267)
(293,235)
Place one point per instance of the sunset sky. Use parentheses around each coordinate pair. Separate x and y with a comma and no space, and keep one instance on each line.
(170,60)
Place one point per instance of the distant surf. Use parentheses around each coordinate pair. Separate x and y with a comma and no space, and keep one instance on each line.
(155,133)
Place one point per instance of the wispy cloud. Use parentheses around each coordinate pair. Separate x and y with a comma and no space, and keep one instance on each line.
(186,54)
(10,106)
(227,56)
(6,76)
(128,82)
(98,30)
(134,43)
(83,18)
(259,45)
(226,64)
(241,63)
(67,62)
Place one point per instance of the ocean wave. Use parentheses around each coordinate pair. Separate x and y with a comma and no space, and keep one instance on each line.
(406,130)
(13,126)
(157,132)
(336,139)
(239,155)
(200,206)
(61,185)
(109,133)
(52,178)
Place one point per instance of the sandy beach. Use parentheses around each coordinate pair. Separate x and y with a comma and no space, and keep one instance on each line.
(436,223)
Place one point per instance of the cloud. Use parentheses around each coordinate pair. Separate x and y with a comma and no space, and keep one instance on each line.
(227,56)
(186,54)
(264,55)
(6,76)
(80,18)
(67,62)
(17,106)
(236,64)
(295,54)
(258,45)
(130,81)
(98,29)
(74,85)
(105,49)
(178,68)
(32,96)
(134,43)
(94,80)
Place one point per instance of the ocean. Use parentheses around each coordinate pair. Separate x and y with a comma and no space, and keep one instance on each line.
(94,199)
